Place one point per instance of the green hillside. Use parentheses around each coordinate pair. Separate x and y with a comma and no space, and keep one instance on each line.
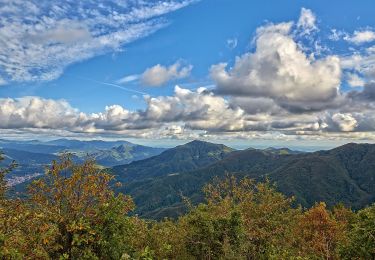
(345,174)
(182,158)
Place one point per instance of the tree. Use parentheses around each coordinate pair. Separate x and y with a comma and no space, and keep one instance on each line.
(78,214)
(319,233)
(3,172)
(166,239)
(241,220)
(361,236)
(13,219)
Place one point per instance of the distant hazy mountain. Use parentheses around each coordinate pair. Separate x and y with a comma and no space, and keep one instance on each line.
(282,151)
(182,158)
(124,154)
(345,174)
(107,153)
(31,146)
(60,145)
(24,157)
(87,146)
(32,156)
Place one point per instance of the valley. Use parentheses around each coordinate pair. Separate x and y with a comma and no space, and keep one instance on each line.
(159,179)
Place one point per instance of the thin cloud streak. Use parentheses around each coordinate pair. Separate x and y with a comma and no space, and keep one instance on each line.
(114,85)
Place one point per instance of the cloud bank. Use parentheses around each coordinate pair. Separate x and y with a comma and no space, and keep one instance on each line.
(283,88)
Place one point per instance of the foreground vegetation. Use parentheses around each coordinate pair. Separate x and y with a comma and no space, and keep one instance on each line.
(73,213)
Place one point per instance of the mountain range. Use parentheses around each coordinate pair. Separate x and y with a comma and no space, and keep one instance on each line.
(158,179)
(342,175)
(32,156)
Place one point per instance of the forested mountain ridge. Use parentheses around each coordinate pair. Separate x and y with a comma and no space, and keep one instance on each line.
(342,175)
(187,157)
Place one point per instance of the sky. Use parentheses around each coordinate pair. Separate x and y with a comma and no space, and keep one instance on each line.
(246,73)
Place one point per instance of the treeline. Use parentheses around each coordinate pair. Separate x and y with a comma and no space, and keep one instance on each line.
(72,213)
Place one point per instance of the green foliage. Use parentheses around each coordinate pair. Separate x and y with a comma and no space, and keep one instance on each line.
(3,172)
(264,214)
(344,174)
(179,159)
(361,236)
(212,237)
(73,213)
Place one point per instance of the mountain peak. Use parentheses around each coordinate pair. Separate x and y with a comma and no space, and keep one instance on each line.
(186,157)
(121,148)
(203,146)
(282,151)
(198,142)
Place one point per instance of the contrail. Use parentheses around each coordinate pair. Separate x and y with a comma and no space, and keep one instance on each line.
(121,87)
(114,85)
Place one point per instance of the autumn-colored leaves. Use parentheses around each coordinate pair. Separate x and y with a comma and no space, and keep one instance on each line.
(64,215)
(72,213)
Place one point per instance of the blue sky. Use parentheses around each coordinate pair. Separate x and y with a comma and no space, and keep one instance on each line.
(73,65)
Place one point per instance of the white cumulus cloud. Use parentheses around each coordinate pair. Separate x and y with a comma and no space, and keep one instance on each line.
(159,74)
(360,37)
(346,122)
(36,112)
(199,109)
(280,70)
